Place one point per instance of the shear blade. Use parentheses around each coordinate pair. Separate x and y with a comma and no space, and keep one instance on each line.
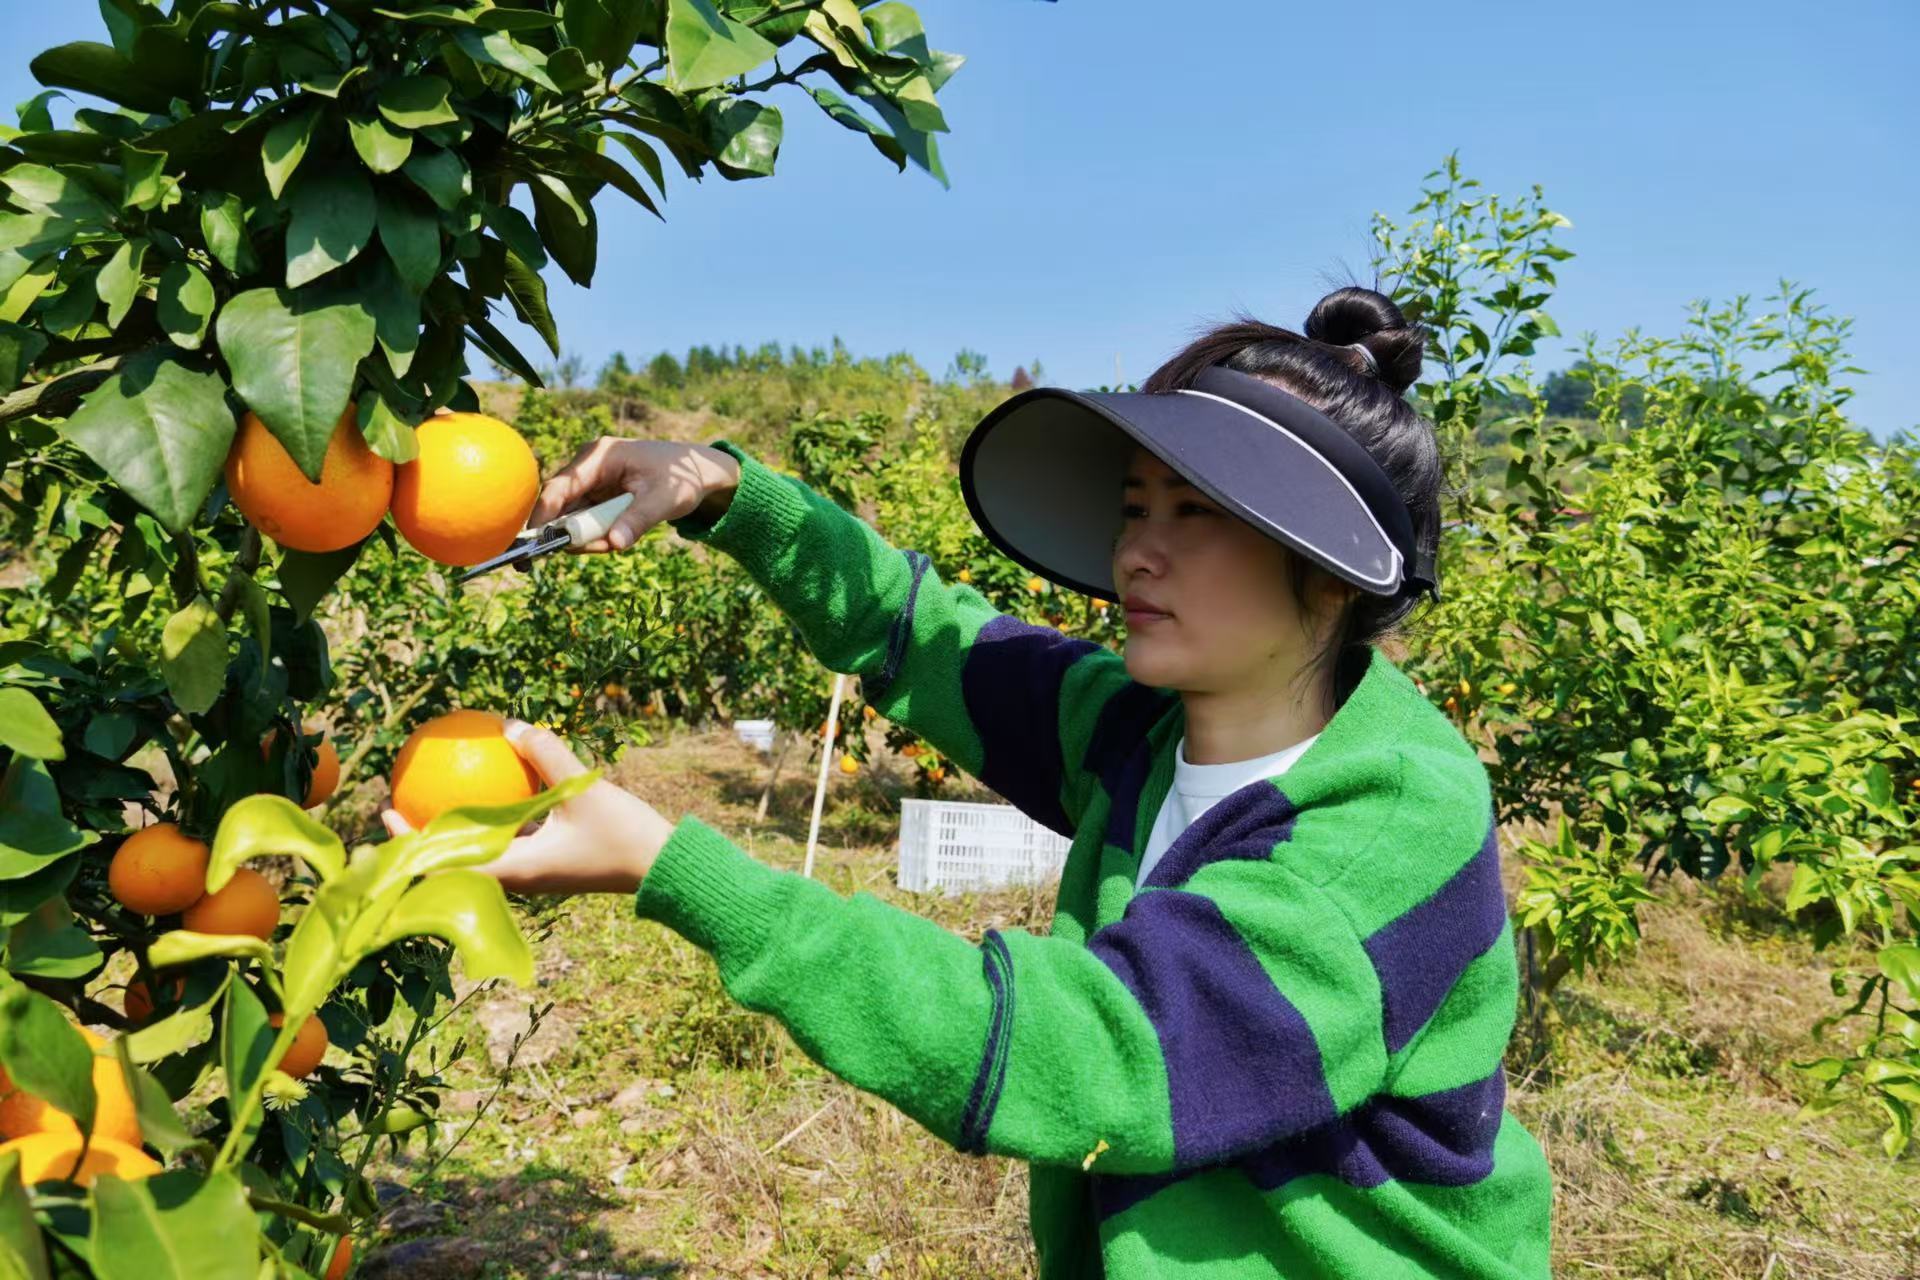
(526,550)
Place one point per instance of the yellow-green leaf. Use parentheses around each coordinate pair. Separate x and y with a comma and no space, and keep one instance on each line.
(262,825)
(193,655)
(468,909)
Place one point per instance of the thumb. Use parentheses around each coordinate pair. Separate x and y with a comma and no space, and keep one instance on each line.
(545,750)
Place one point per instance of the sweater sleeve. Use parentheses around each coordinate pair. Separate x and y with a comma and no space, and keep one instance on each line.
(1212,1020)
(1017,705)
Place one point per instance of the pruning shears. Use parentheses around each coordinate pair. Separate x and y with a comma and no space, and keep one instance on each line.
(570,530)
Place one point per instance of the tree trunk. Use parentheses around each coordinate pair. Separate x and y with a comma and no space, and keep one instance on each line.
(773,775)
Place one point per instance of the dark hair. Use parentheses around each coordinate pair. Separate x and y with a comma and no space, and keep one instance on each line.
(1318,367)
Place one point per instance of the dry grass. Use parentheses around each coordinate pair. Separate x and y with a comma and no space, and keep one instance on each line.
(661,1130)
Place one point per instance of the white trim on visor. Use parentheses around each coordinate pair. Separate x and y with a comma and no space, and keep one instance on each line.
(1398,559)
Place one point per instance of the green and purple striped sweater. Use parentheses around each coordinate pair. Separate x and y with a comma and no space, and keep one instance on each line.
(1285,1047)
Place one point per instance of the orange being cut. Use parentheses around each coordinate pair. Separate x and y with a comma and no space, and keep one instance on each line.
(114,1116)
(462,757)
(158,870)
(355,489)
(245,904)
(468,493)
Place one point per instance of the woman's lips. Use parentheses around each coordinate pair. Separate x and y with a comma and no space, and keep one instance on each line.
(1140,617)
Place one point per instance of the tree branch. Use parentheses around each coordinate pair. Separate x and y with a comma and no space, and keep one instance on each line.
(57,393)
(245,563)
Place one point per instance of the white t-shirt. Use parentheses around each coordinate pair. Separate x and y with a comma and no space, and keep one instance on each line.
(1198,787)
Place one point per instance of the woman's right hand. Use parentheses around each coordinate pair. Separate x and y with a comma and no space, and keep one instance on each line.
(667,479)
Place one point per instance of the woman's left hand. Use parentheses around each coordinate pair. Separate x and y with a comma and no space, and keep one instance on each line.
(604,840)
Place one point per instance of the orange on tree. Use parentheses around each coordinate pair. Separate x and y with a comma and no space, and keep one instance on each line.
(325,779)
(158,870)
(137,1003)
(468,492)
(849,765)
(114,1117)
(308,1047)
(355,489)
(49,1156)
(462,757)
(245,904)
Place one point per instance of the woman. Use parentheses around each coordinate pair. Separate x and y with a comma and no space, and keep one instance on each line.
(1264,1036)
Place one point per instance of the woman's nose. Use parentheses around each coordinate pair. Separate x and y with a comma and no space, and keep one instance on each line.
(1139,549)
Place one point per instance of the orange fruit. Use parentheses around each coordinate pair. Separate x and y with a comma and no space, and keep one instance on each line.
(462,757)
(356,486)
(869,712)
(49,1156)
(158,870)
(23,1113)
(1035,584)
(325,778)
(342,1259)
(965,575)
(849,765)
(137,1003)
(937,775)
(308,1047)
(468,492)
(246,904)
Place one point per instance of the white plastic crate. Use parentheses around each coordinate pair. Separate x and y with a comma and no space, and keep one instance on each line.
(755,733)
(954,846)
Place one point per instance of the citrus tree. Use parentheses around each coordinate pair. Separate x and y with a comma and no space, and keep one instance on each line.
(282,236)
(1690,634)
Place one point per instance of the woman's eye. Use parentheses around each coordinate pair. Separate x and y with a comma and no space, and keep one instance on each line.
(1132,512)
(1197,508)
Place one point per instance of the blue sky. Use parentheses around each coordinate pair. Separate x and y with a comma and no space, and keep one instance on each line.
(1124,172)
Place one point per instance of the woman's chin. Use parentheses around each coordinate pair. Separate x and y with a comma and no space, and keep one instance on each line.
(1150,664)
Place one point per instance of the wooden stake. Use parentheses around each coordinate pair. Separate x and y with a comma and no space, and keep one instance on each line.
(826,760)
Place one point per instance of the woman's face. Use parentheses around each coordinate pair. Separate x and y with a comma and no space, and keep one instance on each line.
(1209,607)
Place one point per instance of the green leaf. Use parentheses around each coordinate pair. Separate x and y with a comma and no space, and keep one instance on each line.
(28,238)
(223,225)
(412,239)
(34,833)
(468,909)
(516,233)
(604,30)
(119,281)
(415,102)
(744,136)
(472,834)
(246,1038)
(441,174)
(840,110)
(23,1254)
(58,949)
(386,432)
(41,190)
(706,48)
(145,175)
(396,321)
(293,357)
(266,825)
(183,946)
(283,147)
(177,1225)
(193,655)
(307,576)
(26,728)
(161,430)
(43,1052)
(499,49)
(1901,963)
(528,293)
(100,70)
(185,304)
(566,225)
(382,148)
(332,221)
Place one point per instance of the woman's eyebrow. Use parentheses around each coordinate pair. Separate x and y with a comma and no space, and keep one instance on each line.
(1166,482)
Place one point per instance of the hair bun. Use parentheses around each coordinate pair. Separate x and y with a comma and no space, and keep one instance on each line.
(1366,316)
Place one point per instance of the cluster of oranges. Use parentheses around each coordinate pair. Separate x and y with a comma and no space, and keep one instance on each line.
(460,501)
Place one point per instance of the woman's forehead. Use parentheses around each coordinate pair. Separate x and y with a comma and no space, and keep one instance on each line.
(1142,466)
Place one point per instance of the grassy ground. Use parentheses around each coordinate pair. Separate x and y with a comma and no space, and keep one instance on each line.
(649,1127)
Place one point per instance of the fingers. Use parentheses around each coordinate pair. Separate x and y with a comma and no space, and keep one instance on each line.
(545,750)
(396,825)
(593,472)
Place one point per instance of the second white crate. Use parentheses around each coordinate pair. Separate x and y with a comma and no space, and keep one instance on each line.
(954,846)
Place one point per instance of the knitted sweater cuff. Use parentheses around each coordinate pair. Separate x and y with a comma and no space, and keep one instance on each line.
(710,892)
(760,521)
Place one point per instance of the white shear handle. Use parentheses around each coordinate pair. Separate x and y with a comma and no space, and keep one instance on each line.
(586,526)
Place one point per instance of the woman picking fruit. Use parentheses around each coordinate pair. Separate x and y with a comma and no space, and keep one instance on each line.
(1264,1035)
